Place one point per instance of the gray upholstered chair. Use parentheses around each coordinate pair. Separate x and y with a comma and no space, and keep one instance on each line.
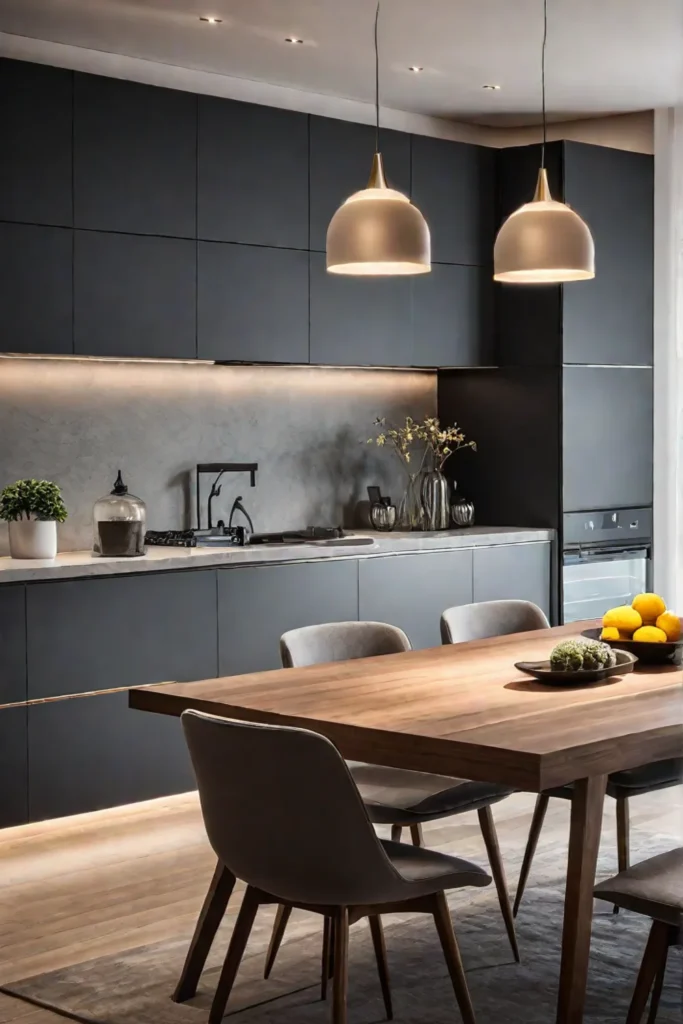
(653,888)
(394,796)
(282,813)
(490,618)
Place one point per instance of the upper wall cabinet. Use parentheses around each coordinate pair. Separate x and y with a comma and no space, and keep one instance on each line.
(453,316)
(453,184)
(35,289)
(341,159)
(610,319)
(253,174)
(135,152)
(35,127)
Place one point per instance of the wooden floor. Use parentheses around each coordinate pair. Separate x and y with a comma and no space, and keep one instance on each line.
(82,887)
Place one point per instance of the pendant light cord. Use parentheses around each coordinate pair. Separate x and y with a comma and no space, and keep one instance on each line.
(545,39)
(377,79)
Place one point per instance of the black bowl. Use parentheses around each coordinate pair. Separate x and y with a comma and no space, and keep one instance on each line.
(669,653)
(543,671)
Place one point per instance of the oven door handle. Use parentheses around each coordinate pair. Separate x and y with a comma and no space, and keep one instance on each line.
(606,554)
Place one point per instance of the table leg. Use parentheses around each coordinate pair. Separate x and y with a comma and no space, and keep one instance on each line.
(584,841)
(210,917)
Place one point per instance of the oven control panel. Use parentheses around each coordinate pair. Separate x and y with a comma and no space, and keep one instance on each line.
(608,526)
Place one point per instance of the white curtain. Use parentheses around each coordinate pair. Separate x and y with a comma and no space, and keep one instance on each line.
(668,357)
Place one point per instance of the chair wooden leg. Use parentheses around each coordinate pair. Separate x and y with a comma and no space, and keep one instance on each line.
(396,831)
(449,944)
(326,961)
(537,820)
(488,830)
(281,918)
(238,942)
(416,835)
(654,957)
(210,917)
(657,991)
(623,837)
(377,933)
(341,965)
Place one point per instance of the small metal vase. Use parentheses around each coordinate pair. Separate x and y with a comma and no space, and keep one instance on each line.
(462,512)
(435,500)
(383,516)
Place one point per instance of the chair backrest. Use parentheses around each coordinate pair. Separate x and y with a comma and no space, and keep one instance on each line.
(283,814)
(490,618)
(340,641)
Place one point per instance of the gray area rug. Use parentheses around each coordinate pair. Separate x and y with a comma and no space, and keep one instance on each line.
(134,986)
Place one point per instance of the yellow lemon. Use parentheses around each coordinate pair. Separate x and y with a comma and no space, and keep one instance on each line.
(625,618)
(610,633)
(649,607)
(671,624)
(650,635)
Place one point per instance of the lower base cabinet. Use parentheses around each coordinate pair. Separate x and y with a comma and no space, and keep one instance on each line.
(13,767)
(87,753)
(513,572)
(411,591)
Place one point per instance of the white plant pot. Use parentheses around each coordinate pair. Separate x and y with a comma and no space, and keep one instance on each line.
(33,538)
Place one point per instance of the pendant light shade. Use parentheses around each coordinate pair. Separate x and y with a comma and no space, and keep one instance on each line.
(543,242)
(378,232)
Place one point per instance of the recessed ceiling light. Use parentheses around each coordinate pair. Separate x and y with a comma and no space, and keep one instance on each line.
(210,20)
(493,88)
(293,39)
(415,68)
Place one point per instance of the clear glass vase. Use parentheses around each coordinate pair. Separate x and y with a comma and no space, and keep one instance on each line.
(410,511)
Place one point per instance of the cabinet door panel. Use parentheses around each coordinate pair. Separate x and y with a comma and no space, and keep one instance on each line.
(100,634)
(513,572)
(135,157)
(341,158)
(454,187)
(36,289)
(453,317)
(607,430)
(134,296)
(411,591)
(252,303)
(35,127)
(609,319)
(357,321)
(13,767)
(86,753)
(12,644)
(253,174)
(257,605)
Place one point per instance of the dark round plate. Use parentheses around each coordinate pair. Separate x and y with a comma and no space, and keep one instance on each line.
(670,653)
(542,671)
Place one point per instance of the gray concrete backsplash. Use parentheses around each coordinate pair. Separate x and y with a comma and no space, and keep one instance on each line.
(78,421)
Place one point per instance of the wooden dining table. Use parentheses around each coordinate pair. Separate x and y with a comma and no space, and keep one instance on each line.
(462,710)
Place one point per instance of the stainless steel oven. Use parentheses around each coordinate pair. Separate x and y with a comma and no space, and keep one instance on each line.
(606,560)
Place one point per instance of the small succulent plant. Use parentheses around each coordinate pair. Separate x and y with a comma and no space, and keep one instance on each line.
(32,499)
(574,655)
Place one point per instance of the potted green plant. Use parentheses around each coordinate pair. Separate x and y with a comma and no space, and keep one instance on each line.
(32,508)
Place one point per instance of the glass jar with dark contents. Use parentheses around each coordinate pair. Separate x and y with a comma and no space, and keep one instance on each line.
(119,523)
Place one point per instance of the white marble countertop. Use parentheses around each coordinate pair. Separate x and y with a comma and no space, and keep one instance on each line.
(79,564)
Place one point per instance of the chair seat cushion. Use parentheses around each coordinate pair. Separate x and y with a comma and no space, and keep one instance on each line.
(395,796)
(633,781)
(654,888)
(428,871)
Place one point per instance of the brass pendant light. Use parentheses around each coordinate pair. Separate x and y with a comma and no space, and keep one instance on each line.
(378,231)
(544,241)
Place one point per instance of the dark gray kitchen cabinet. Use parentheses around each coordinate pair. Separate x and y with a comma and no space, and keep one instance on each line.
(453,185)
(257,605)
(411,591)
(453,317)
(359,321)
(252,303)
(12,644)
(134,295)
(36,289)
(135,157)
(100,634)
(513,572)
(13,767)
(35,128)
(341,160)
(252,174)
(609,320)
(607,437)
(87,753)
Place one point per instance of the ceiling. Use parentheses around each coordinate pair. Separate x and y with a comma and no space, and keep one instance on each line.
(603,56)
